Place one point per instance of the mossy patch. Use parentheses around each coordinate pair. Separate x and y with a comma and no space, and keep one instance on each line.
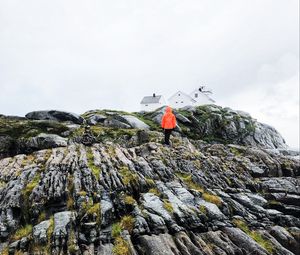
(42,216)
(91,165)
(50,229)
(72,242)
(154,191)
(127,222)
(70,184)
(129,200)
(116,230)
(121,247)
(188,180)
(255,235)
(16,128)
(128,177)
(203,209)
(168,206)
(22,232)
(212,199)
(95,210)
(31,185)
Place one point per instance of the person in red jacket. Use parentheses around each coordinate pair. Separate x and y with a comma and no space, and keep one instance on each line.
(168,123)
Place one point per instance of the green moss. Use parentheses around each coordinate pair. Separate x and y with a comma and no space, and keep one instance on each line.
(29,128)
(50,229)
(42,216)
(168,206)
(235,151)
(22,232)
(90,159)
(72,243)
(116,230)
(31,185)
(95,210)
(255,235)
(127,176)
(188,180)
(203,209)
(146,118)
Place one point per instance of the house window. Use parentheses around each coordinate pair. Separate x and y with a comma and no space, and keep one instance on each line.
(182,102)
(178,94)
(196,95)
(146,105)
(176,102)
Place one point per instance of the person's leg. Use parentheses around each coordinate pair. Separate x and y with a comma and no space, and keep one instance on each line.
(167,136)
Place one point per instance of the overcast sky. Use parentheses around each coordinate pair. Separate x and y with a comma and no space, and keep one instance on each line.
(80,55)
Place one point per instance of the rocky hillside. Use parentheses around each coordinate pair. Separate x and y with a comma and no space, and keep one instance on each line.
(102,183)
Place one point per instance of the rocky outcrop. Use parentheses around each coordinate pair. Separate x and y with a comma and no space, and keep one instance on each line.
(216,124)
(192,198)
(55,115)
(115,189)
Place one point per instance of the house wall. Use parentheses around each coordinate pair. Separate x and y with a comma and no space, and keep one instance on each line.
(201,99)
(179,100)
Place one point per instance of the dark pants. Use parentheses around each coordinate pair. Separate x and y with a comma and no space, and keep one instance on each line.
(167,136)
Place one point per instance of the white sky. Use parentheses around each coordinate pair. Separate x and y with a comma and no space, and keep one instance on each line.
(82,55)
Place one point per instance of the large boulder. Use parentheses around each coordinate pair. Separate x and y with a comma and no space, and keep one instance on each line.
(55,115)
(44,141)
(135,122)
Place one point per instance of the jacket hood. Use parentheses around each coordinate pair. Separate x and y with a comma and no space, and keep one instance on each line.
(168,109)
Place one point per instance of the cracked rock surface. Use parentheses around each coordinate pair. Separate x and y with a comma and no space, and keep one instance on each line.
(124,195)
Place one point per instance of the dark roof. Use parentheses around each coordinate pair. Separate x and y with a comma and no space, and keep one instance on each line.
(150,100)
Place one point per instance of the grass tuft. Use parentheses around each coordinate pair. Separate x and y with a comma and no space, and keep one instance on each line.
(121,247)
(129,200)
(212,199)
(22,232)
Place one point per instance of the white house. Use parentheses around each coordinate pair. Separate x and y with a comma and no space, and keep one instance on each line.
(201,96)
(151,103)
(180,99)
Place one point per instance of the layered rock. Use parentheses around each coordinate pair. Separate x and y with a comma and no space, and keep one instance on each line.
(115,189)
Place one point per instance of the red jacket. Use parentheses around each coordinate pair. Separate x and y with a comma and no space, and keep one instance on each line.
(169,119)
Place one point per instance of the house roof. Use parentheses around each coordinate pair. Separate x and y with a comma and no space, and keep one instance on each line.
(194,101)
(151,100)
(203,94)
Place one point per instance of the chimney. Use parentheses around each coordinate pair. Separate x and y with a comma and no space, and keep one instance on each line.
(153,94)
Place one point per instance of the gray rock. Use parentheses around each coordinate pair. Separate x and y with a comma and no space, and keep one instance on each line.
(162,244)
(134,122)
(242,240)
(285,239)
(61,223)
(45,141)
(55,115)
(182,118)
(213,212)
(112,122)
(96,118)
(39,231)
(6,145)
